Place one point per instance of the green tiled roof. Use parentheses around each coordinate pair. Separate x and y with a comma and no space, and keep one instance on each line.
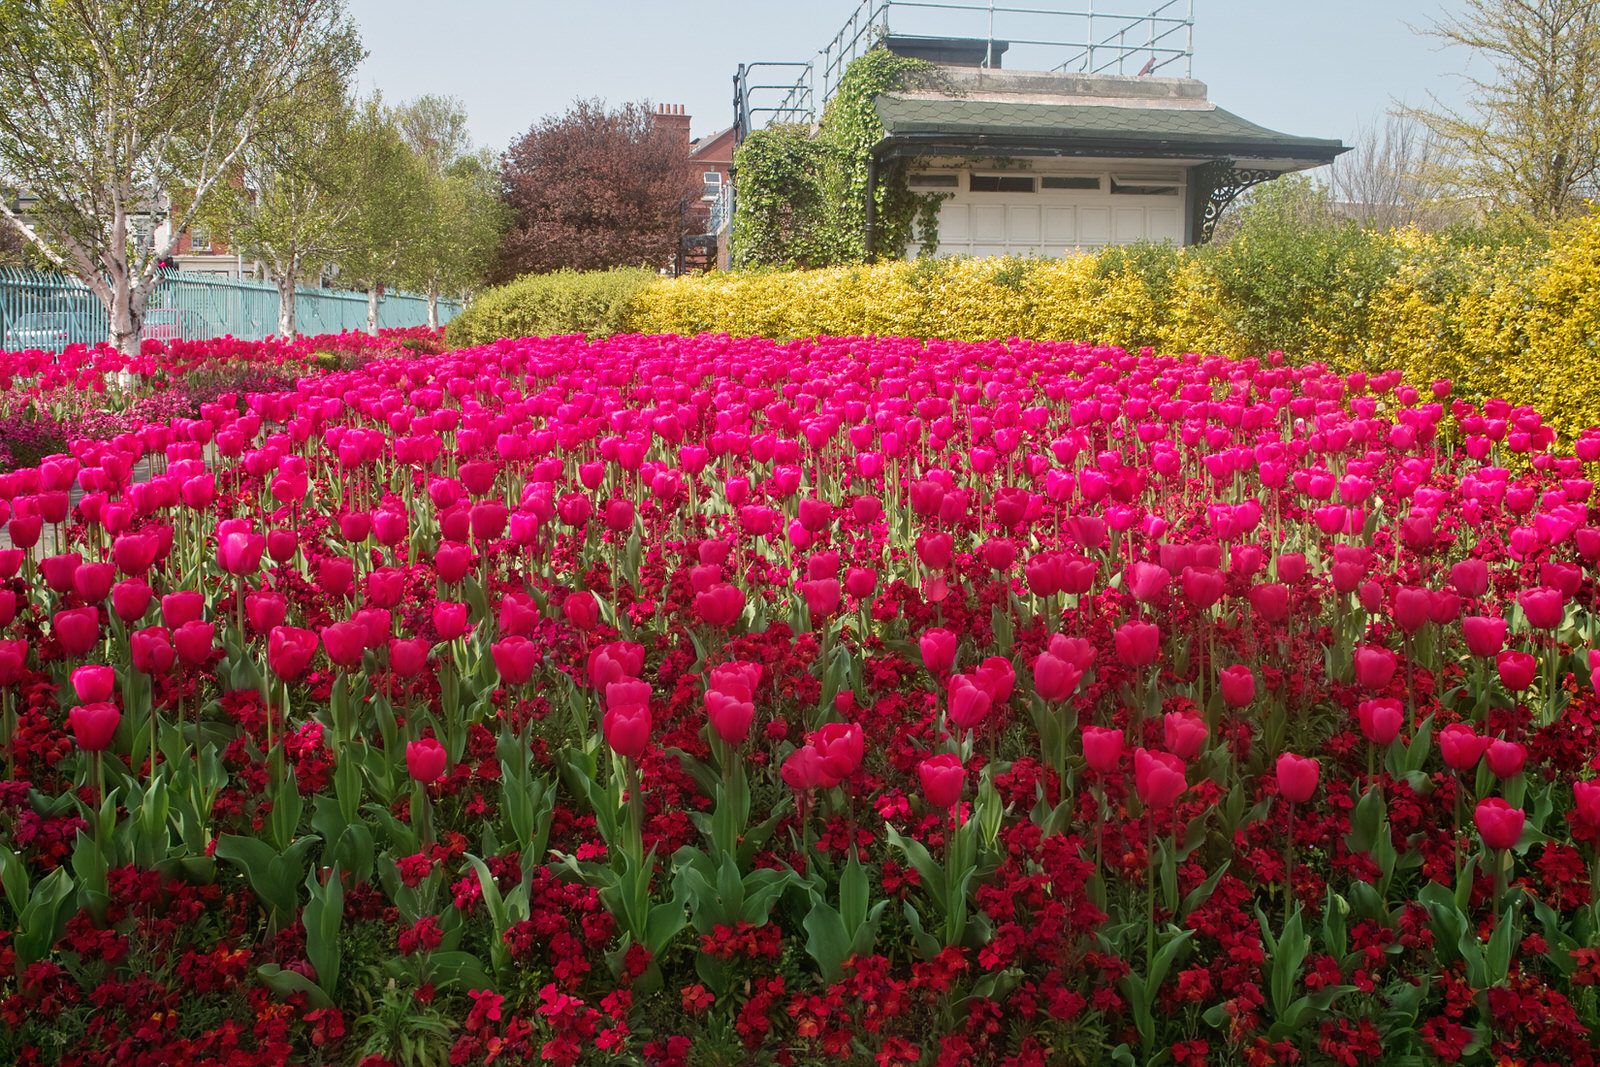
(994,122)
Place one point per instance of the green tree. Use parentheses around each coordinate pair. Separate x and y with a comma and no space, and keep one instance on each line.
(112,110)
(1529,140)
(802,199)
(385,229)
(460,216)
(289,214)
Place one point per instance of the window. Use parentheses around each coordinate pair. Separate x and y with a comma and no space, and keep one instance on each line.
(1127,185)
(199,239)
(1001,183)
(1069,181)
(934,180)
(712,178)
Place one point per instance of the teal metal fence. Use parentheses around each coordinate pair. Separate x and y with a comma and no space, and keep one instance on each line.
(52,311)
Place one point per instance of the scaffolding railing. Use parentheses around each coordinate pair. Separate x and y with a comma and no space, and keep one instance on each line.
(1073,36)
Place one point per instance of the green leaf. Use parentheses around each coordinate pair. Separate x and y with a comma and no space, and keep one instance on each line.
(827,941)
(854,893)
(916,853)
(14,879)
(456,969)
(1202,892)
(1506,936)
(1367,820)
(663,924)
(1166,955)
(323,914)
(927,945)
(288,983)
(43,917)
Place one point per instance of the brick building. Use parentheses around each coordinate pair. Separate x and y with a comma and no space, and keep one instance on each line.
(710,161)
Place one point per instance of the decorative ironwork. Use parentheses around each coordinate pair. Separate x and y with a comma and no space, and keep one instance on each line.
(1217,184)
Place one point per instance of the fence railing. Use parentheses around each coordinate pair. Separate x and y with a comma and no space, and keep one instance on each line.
(52,311)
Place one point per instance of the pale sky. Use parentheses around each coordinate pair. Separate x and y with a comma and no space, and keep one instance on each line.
(1301,67)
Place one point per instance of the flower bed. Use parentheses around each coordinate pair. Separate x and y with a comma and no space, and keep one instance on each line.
(93,393)
(692,700)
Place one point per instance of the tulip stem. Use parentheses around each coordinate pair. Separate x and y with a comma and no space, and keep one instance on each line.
(635,843)
(1288,871)
(10,725)
(1411,693)
(1149,892)
(424,816)
(1501,858)
(1455,835)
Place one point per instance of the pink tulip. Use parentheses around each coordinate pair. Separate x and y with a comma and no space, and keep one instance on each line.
(426,760)
(942,778)
(1159,778)
(1238,685)
(94,725)
(1297,777)
(1499,824)
(1138,644)
(1381,719)
(1102,748)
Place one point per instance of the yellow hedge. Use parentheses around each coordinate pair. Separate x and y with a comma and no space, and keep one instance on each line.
(1514,318)
(1518,320)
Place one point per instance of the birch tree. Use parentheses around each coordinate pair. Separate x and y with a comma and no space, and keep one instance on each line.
(388,183)
(295,199)
(459,216)
(113,111)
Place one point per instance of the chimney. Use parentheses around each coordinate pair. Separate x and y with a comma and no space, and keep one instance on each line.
(673,117)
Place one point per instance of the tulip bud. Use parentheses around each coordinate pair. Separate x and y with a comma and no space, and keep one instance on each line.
(1297,777)
(1499,824)
(1102,748)
(94,725)
(1238,685)
(1380,719)
(425,760)
(943,778)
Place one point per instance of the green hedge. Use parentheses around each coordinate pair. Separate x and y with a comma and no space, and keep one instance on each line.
(598,303)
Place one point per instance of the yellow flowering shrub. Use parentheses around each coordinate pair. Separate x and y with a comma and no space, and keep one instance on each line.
(1513,318)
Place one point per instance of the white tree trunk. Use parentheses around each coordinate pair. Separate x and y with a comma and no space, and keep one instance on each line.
(286,294)
(372,310)
(433,305)
(125,311)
